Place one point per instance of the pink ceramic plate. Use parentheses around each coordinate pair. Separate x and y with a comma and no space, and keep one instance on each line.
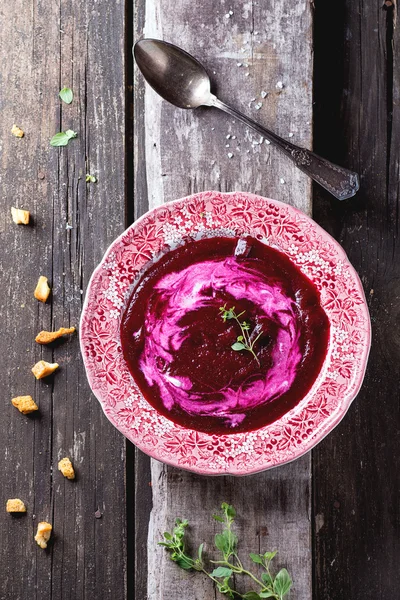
(317,255)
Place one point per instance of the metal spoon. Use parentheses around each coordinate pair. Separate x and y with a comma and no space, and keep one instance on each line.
(183,81)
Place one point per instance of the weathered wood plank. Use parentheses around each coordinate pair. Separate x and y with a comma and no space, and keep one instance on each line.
(180,152)
(357,477)
(43,47)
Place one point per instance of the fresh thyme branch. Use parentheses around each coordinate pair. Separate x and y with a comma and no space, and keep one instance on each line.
(246,340)
(267,585)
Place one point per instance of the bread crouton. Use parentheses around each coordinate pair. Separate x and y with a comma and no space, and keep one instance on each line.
(19,216)
(42,290)
(43,369)
(15,505)
(25,404)
(43,534)
(66,468)
(46,337)
(17,131)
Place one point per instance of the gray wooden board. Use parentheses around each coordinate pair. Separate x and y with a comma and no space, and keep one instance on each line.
(43,46)
(179,152)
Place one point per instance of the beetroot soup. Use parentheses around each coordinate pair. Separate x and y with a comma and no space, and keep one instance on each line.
(224,335)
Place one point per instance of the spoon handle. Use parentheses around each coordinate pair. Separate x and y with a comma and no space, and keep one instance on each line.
(340,182)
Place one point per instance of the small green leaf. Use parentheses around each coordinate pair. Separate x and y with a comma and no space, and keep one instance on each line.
(185,562)
(267,594)
(240,338)
(222,572)
(232,540)
(70,134)
(270,555)
(256,558)
(90,178)
(200,552)
(221,542)
(251,596)
(229,510)
(218,518)
(167,535)
(62,138)
(267,579)
(198,565)
(282,583)
(238,346)
(66,95)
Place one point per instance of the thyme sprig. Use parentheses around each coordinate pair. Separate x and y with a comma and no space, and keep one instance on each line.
(246,340)
(268,585)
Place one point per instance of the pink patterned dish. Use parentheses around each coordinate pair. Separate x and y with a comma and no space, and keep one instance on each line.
(310,248)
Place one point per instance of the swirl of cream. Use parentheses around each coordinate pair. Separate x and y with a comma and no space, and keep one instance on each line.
(181,292)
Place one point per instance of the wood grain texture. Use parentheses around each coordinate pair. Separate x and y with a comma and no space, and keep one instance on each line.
(43,47)
(179,152)
(357,480)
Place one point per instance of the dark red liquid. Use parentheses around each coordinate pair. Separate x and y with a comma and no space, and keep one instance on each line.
(178,348)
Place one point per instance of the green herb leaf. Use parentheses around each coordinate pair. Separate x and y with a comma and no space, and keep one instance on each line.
(66,95)
(270,555)
(246,341)
(218,518)
(167,535)
(230,540)
(238,346)
(267,594)
(198,565)
(257,558)
(185,562)
(233,540)
(282,583)
(251,596)
(267,579)
(90,178)
(221,542)
(200,552)
(228,510)
(221,572)
(62,138)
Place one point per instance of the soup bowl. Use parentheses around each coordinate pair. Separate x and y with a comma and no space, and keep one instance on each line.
(313,251)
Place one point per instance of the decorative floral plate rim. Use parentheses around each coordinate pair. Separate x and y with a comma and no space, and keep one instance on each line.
(311,248)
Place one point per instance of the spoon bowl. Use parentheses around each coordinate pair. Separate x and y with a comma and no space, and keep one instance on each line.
(173,73)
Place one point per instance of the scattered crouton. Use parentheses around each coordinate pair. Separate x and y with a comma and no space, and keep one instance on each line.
(43,369)
(42,290)
(66,468)
(19,216)
(17,131)
(15,505)
(46,337)
(25,404)
(43,534)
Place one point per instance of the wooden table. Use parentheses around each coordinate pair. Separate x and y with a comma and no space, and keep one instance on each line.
(334,514)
